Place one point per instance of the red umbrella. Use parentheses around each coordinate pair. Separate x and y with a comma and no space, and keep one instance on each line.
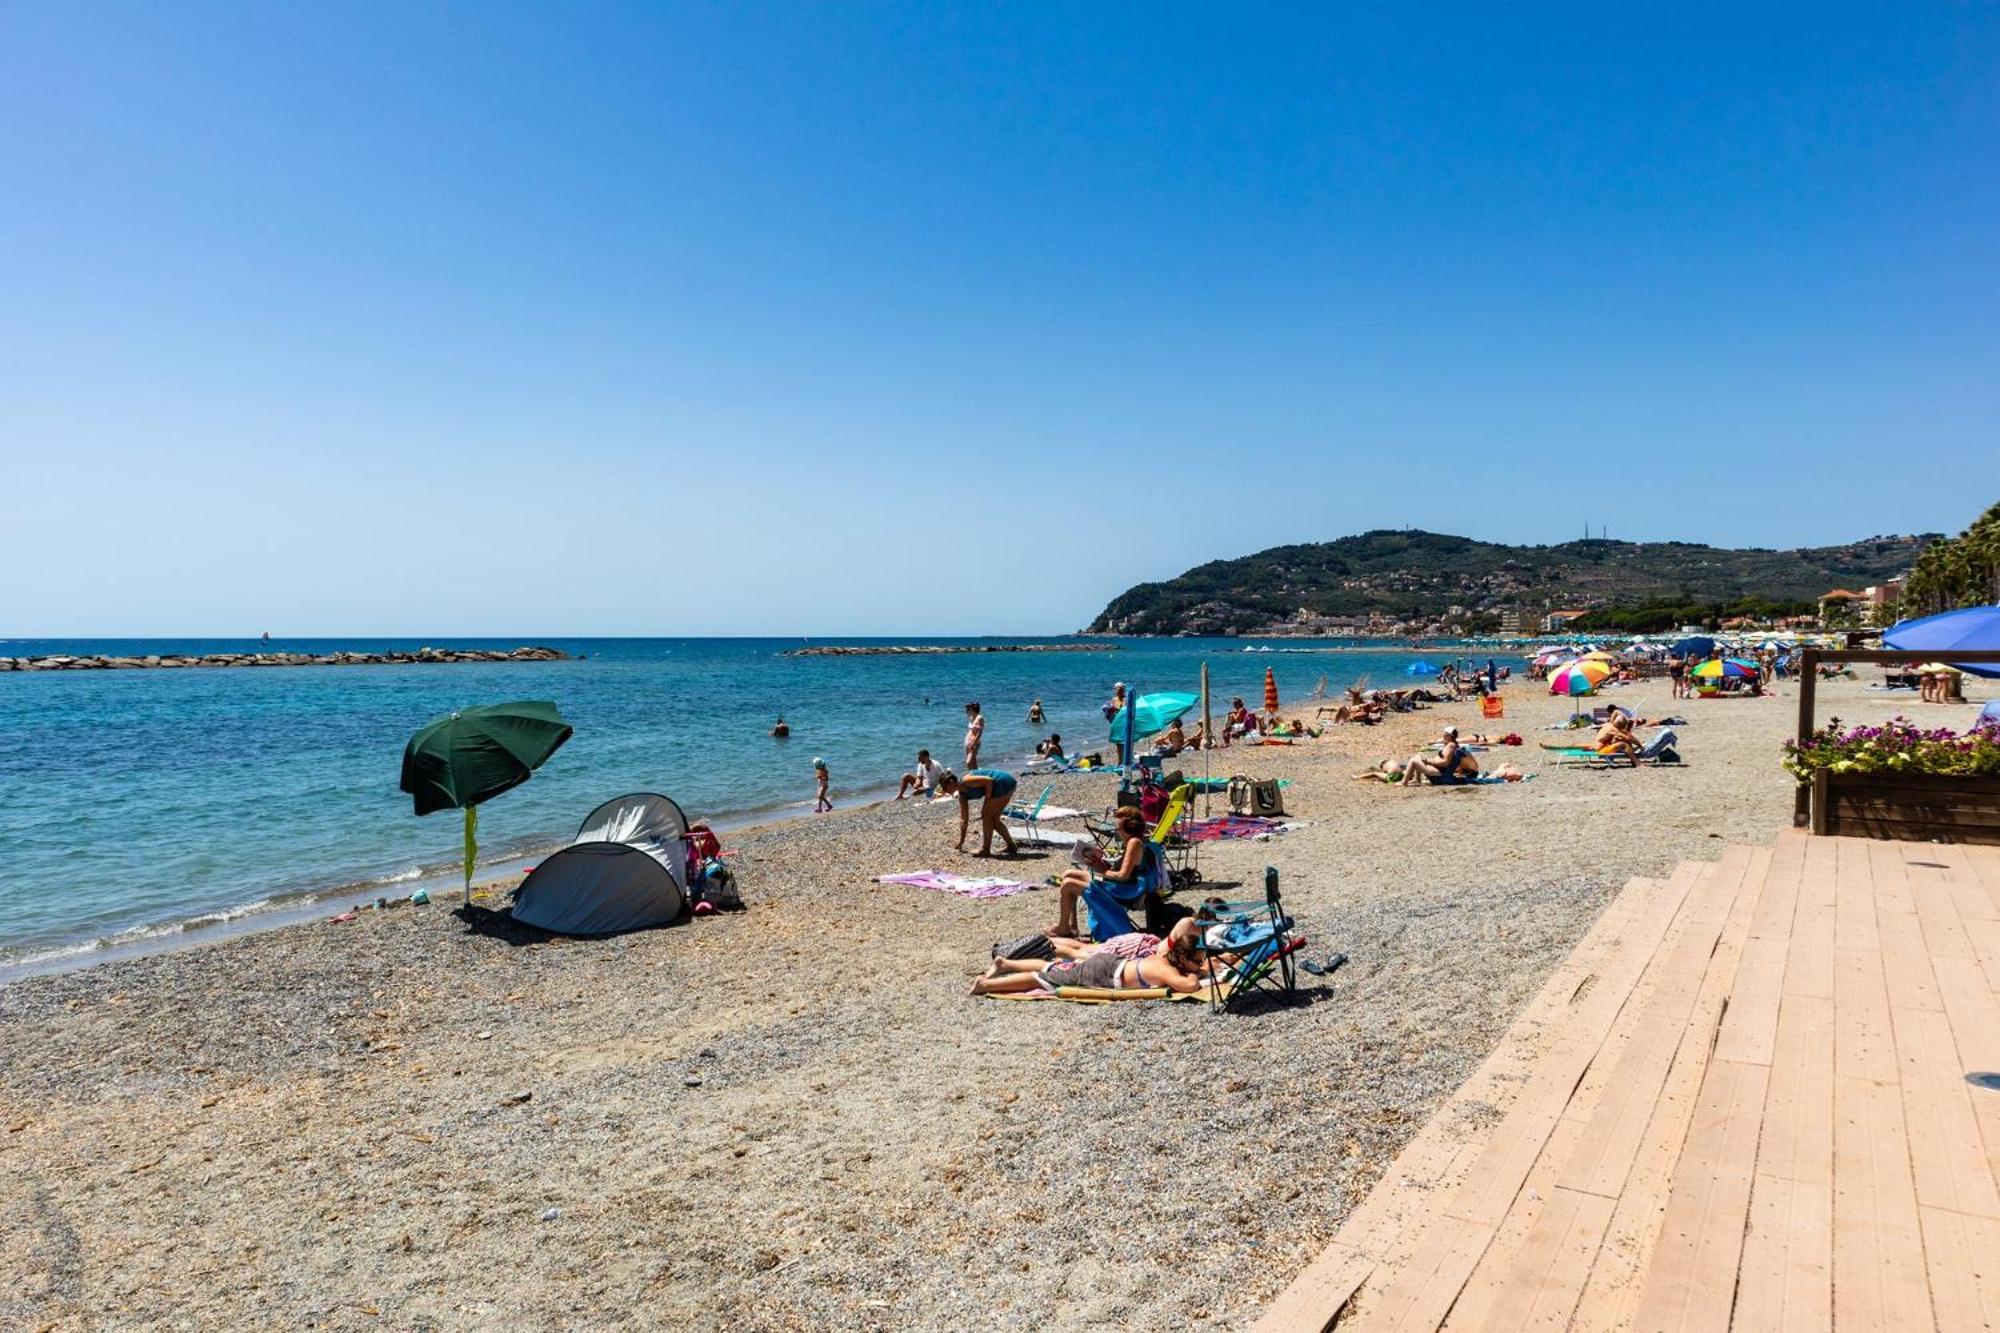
(1270,690)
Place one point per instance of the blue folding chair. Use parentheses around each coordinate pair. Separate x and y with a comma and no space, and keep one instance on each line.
(1258,936)
(1109,906)
(1030,815)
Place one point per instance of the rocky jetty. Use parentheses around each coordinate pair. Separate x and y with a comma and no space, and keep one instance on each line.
(927,649)
(162,661)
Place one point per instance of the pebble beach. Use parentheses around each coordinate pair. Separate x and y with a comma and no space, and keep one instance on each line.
(794,1117)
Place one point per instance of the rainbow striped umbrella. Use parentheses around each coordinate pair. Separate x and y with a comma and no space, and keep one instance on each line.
(1580,677)
(1720,668)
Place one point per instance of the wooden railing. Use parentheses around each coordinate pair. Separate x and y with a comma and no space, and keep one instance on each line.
(1809,678)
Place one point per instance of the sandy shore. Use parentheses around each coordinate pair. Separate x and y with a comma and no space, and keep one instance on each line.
(794,1118)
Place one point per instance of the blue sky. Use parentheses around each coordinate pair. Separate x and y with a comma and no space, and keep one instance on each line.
(661,318)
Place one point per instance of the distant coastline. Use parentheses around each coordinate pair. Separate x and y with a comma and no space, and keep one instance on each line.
(171,661)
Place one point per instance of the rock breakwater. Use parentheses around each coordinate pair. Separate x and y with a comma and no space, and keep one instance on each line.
(164,661)
(930,649)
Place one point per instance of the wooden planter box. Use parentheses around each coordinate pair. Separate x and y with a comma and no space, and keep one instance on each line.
(1908,807)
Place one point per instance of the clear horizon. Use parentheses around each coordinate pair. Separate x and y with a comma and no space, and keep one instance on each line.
(777,321)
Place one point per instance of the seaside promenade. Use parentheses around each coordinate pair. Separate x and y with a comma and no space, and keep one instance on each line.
(1762,1093)
(795,1118)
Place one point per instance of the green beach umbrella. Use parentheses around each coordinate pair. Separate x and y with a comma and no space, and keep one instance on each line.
(475,754)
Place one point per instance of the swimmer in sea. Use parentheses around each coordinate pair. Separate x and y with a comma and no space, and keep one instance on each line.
(782,729)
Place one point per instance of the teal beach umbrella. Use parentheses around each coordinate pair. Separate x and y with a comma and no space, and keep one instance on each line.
(475,754)
(1151,713)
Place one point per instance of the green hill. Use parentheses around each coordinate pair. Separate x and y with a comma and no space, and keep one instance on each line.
(1419,577)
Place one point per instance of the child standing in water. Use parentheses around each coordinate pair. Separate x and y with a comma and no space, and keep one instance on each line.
(820,802)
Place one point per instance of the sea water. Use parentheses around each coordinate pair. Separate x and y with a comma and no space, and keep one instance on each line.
(143,803)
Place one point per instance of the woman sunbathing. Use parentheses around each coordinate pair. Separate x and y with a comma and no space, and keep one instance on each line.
(1175,965)
(1451,766)
(1135,869)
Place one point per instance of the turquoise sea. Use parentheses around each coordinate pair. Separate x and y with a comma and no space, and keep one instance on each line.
(136,805)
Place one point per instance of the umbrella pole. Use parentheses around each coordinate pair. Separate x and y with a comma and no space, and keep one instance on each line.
(471,847)
(1207,745)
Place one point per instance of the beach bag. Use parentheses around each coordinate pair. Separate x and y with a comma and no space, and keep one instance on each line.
(1239,795)
(1493,706)
(1161,914)
(1267,799)
(714,890)
(1152,802)
(1028,946)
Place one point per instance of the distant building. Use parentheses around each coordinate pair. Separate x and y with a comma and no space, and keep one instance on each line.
(1840,601)
(1882,600)
(1511,620)
(1554,621)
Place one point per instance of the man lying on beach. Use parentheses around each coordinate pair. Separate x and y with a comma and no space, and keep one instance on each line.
(1174,965)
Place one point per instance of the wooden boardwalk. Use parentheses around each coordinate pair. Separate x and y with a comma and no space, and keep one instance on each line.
(1762,1094)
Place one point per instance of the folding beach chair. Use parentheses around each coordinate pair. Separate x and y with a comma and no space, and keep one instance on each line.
(1258,936)
(1030,815)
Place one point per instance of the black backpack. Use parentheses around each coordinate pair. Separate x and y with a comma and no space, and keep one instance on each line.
(1028,946)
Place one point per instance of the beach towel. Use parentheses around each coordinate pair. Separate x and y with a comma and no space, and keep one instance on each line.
(965,886)
(1047,836)
(1224,827)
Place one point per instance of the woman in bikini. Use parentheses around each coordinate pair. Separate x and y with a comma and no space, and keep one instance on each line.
(1175,966)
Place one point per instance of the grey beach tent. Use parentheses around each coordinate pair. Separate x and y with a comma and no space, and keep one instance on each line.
(626,870)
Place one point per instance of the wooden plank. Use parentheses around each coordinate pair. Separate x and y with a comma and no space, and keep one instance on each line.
(1633,1081)
(1785,1281)
(1879,1278)
(1750,1027)
(1473,1309)
(1612,1291)
(1963,1255)
(1797,1139)
(1691,1282)
(1538,1288)
(1934,892)
(1388,1226)
(1974,1016)
(1892,881)
(1864,1042)
(1314,1299)
(1947,1154)
(1540,1257)
(1985,863)
(1421,1293)
(1853,896)
(1777,905)
(1809,969)
(1967,893)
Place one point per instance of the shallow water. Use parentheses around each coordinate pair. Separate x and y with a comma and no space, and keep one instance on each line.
(136,802)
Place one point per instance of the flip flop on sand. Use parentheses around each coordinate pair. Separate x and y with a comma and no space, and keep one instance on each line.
(1325,969)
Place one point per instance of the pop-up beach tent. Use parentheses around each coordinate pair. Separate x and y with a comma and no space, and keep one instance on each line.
(627,869)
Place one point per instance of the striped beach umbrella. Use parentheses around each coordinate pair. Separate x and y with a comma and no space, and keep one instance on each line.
(1726,668)
(1580,677)
(1270,690)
